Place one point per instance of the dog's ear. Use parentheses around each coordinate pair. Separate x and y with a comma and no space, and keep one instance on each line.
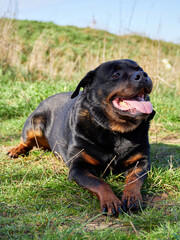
(86,81)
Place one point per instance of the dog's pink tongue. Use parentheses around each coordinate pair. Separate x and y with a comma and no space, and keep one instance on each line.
(139,105)
(134,104)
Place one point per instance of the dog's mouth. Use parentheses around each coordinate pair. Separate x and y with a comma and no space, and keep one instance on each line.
(133,105)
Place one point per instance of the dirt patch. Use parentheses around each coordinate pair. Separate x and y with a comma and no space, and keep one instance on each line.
(153,200)
(104,223)
(166,139)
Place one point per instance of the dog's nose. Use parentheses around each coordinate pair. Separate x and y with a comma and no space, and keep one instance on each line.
(141,79)
(140,76)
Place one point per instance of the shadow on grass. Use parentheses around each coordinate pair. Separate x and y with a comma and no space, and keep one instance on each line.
(165,154)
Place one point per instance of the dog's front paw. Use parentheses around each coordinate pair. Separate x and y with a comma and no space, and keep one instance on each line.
(111,205)
(19,150)
(131,200)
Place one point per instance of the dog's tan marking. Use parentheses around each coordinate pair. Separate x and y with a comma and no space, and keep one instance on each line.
(89,159)
(133,159)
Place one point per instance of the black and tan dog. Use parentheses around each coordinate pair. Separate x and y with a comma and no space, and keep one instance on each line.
(104,126)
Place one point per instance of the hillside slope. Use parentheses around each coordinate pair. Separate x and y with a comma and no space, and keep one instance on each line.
(54,50)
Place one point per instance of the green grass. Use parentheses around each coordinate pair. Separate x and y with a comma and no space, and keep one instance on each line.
(37,201)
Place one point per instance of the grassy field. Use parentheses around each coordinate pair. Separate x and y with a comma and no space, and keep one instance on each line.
(37,201)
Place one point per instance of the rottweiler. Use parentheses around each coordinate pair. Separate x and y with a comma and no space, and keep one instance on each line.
(102,129)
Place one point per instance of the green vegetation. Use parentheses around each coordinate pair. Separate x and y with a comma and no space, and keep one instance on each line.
(36,199)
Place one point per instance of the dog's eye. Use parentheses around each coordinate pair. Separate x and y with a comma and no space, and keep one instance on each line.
(116,75)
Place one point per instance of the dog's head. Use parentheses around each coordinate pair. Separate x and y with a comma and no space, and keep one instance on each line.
(118,93)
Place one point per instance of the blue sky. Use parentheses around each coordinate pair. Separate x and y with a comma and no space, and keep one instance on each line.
(157,19)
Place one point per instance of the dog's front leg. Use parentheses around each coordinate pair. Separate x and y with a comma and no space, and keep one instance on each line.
(81,171)
(135,176)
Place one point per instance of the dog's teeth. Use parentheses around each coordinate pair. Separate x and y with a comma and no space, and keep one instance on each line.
(123,104)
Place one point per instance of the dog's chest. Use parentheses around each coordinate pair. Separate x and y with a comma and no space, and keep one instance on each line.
(124,147)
